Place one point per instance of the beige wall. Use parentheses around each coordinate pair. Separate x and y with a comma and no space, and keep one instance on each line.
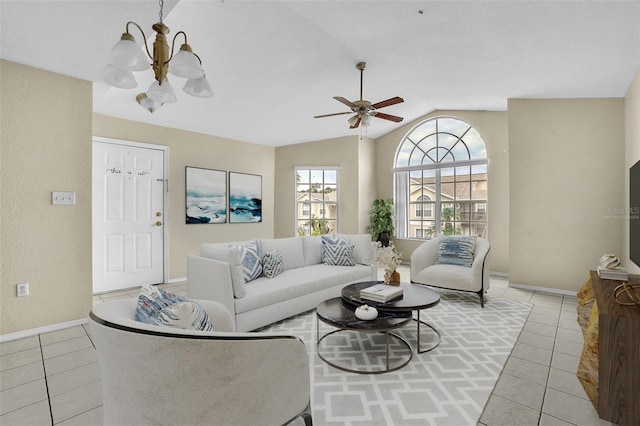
(566,165)
(632,155)
(199,150)
(45,137)
(492,126)
(352,155)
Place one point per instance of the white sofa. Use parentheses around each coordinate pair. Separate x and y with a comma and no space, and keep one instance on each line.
(153,375)
(214,274)
(425,269)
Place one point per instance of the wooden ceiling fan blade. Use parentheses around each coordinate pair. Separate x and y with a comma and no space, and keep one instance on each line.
(388,102)
(388,117)
(331,115)
(347,102)
(356,124)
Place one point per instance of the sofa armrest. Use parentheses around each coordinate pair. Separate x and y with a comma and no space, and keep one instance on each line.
(210,279)
(425,255)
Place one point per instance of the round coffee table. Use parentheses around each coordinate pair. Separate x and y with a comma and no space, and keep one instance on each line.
(415,297)
(337,313)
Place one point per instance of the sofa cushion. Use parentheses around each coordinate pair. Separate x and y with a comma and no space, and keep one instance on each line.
(457,250)
(251,265)
(290,249)
(337,250)
(448,276)
(298,282)
(362,252)
(312,248)
(272,264)
(231,255)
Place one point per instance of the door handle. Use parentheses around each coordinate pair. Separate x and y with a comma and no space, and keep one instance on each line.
(158,223)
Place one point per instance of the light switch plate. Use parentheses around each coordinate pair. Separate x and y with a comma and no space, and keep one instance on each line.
(63,198)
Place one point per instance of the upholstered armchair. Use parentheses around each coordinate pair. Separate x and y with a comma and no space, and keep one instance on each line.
(155,375)
(425,268)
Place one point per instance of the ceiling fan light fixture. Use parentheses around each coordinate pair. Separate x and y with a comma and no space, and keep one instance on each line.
(126,54)
(186,64)
(353,120)
(163,93)
(147,103)
(198,87)
(366,119)
(118,77)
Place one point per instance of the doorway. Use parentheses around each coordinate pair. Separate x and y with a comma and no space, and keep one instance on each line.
(129,221)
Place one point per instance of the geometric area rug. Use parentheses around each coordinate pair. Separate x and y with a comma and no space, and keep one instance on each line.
(449,385)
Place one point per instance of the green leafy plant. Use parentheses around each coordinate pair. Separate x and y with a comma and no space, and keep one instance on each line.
(381,218)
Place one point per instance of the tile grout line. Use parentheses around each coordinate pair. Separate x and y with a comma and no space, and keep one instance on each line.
(46,380)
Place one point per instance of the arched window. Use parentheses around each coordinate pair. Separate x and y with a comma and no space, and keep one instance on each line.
(440,181)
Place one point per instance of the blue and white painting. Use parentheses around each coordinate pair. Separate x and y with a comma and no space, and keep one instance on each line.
(206,195)
(245,198)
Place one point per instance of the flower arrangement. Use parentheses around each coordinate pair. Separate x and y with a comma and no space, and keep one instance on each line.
(389,258)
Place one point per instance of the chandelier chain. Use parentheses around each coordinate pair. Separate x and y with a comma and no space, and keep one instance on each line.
(161,2)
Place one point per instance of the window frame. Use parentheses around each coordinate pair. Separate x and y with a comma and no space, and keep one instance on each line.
(404,206)
(323,207)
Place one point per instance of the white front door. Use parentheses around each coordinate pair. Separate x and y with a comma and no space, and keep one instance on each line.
(128,216)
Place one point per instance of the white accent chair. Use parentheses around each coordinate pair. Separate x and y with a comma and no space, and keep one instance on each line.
(155,375)
(425,269)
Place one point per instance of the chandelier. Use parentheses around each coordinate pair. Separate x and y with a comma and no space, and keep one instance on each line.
(127,57)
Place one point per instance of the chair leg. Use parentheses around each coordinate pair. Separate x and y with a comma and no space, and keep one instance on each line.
(481,294)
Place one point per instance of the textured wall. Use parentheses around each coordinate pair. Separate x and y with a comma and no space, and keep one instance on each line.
(46,146)
(343,152)
(566,169)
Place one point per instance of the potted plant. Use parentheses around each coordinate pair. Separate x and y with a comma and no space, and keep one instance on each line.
(381,220)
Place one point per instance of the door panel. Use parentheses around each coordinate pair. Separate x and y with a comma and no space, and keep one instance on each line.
(128,216)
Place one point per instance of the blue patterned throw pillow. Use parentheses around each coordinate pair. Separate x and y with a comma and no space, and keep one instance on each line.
(152,300)
(159,307)
(251,265)
(337,250)
(187,315)
(457,250)
(272,264)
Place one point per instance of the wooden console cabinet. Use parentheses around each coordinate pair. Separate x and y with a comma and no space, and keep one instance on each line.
(618,358)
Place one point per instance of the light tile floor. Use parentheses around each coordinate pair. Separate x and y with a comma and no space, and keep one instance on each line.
(54,378)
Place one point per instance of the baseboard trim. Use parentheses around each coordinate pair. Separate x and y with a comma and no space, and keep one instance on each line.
(177,280)
(544,289)
(499,274)
(45,329)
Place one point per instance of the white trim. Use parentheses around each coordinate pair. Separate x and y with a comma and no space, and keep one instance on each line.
(165,206)
(542,289)
(316,167)
(177,280)
(499,274)
(41,330)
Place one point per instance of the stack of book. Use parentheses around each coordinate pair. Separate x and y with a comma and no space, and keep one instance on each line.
(381,293)
(618,274)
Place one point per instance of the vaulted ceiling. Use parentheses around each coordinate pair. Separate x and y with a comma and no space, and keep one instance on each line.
(273,65)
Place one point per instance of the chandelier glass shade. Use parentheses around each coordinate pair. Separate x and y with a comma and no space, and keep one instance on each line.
(127,57)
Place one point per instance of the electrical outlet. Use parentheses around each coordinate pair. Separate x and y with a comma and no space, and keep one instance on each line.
(22,289)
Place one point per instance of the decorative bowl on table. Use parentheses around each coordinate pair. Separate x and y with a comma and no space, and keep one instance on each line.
(366,312)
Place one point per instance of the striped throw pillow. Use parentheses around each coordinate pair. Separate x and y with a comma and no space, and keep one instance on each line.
(457,250)
(337,250)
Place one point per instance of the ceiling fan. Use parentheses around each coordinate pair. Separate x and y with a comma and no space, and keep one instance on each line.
(363,109)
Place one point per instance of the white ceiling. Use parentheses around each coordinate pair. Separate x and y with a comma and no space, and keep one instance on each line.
(273,65)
